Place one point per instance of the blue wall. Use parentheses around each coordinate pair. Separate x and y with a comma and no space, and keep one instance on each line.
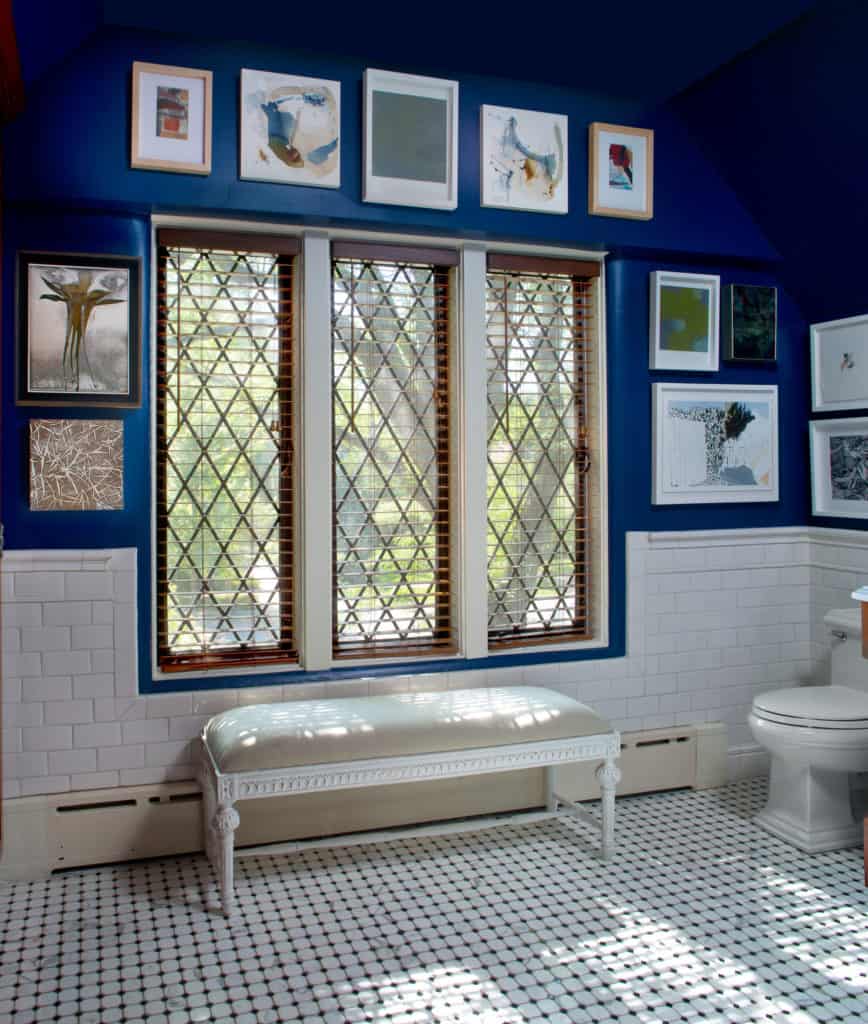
(69,188)
(785,123)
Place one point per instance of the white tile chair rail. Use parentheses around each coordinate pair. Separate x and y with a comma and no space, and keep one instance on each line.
(344,743)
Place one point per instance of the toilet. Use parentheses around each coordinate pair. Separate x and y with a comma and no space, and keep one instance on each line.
(816,736)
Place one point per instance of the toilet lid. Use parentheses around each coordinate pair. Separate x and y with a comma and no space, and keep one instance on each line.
(822,706)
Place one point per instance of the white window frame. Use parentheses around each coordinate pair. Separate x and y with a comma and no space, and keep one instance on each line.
(468,454)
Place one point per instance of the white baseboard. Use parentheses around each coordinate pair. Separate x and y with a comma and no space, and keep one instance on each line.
(64,830)
(747,763)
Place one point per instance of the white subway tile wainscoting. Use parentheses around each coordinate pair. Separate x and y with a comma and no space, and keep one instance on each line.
(713,618)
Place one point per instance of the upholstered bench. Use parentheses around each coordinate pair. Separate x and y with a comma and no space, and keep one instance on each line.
(312,745)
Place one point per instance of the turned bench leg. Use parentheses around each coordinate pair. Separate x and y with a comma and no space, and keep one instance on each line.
(608,776)
(225,822)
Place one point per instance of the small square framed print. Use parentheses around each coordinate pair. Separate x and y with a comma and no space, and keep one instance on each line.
(410,140)
(839,364)
(683,318)
(171,119)
(621,173)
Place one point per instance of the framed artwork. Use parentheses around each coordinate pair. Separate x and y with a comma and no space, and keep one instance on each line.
(684,321)
(750,323)
(76,465)
(839,364)
(524,160)
(78,330)
(621,173)
(290,129)
(171,121)
(714,443)
(410,140)
(839,468)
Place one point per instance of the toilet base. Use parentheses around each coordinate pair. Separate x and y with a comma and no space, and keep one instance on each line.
(810,808)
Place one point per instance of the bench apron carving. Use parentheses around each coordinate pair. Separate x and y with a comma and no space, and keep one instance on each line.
(343,743)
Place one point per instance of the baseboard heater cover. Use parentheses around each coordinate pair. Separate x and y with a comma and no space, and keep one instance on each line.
(66,830)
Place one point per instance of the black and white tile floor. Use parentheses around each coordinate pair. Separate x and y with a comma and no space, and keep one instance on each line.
(701,918)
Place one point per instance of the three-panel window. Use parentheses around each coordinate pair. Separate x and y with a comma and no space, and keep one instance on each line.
(229,362)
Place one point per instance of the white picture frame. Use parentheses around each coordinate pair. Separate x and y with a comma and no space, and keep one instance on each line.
(160,142)
(694,462)
(847,474)
(410,140)
(289,129)
(524,163)
(684,318)
(839,364)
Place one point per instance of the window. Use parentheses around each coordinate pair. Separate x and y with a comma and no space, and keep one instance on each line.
(225,450)
(540,327)
(390,338)
(368,450)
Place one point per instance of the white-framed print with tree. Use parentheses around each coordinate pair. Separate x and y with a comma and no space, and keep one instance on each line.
(714,443)
(78,330)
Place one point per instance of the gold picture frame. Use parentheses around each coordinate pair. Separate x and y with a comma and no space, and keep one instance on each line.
(171,119)
(620,171)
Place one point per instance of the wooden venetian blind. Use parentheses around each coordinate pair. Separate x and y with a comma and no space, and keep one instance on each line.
(390,347)
(224,450)
(540,331)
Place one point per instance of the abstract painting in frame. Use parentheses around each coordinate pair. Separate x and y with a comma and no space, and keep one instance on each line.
(621,172)
(524,160)
(410,153)
(290,129)
(839,364)
(78,330)
(76,465)
(714,443)
(171,119)
(683,318)
(750,323)
(839,468)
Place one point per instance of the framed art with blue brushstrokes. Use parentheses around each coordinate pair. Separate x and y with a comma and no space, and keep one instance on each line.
(524,160)
(410,137)
(290,129)
(621,173)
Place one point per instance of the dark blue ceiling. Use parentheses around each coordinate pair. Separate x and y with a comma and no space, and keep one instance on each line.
(641,50)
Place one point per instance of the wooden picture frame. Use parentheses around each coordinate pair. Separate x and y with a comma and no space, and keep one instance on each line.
(171,119)
(420,115)
(683,319)
(714,443)
(621,171)
(59,364)
(839,467)
(839,364)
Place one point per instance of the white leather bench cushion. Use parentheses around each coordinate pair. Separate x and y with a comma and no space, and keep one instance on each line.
(263,736)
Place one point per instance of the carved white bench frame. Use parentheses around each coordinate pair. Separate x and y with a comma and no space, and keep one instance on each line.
(221,790)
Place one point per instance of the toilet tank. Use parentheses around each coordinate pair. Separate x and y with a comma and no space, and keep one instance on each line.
(847,666)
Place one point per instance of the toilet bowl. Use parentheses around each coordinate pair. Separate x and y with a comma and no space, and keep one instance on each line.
(816,736)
